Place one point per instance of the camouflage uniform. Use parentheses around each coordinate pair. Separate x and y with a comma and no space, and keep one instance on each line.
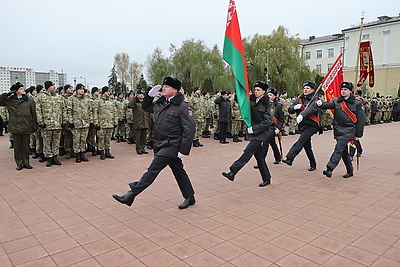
(215,117)
(292,121)
(199,106)
(208,114)
(78,119)
(50,111)
(121,106)
(367,109)
(66,134)
(378,117)
(129,120)
(236,120)
(286,102)
(105,119)
(3,117)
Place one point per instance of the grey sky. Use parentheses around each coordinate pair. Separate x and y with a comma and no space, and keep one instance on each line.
(82,37)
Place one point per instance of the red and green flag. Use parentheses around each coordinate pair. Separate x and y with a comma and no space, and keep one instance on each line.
(233,54)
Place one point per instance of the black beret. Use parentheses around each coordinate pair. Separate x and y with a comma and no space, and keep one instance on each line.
(173,82)
(94,89)
(262,85)
(79,86)
(272,91)
(224,92)
(104,89)
(39,88)
(310,84)
(348,85)
(47,84)
(30,89)
(67,86)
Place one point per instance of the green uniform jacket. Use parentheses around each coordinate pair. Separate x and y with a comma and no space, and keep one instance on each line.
(79,111)
(22,113)
(139,115)
(49,110)
(105,113)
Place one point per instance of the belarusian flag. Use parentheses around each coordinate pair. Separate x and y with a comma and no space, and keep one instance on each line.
(233,54)
(333,79)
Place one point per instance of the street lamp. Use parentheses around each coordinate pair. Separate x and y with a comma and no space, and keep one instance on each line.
(84,78)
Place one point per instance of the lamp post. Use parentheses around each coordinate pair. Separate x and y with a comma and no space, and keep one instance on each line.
(84,78)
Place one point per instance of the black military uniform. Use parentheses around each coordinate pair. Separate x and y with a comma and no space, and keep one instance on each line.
(278,121)
(308,126)
(261,130)
(224,117)
(349,121)
(174,129)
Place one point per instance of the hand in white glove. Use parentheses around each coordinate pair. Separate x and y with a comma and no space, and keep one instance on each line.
(154,91)
(250,130)
(298,106)
(276,131)
(180,155)
(319,103)
(299,118)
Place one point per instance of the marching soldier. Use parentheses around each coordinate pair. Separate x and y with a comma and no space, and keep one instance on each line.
(49,110)
(78,119)
(105,120)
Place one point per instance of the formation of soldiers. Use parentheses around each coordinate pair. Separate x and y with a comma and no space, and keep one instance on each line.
(73,121)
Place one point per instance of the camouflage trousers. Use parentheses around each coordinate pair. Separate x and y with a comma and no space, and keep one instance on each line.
(216,125)
(236,126)
(39,141)
(120,131)
(368,117)
(199,129)
(32,141)
(79,139)
(207,124)
(91,136)
(131,131)
(292,124)
(67,140)
(104,137)
(51,142)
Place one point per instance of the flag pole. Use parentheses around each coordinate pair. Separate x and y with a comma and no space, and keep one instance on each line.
(359,44)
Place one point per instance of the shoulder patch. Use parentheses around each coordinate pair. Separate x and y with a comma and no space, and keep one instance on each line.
(190,111)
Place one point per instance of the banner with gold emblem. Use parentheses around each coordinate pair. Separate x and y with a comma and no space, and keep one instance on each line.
(366,64)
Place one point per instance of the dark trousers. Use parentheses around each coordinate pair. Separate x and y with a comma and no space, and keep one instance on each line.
(1,126)
(21,148)
(254,147)
(156,166)
(274,147)
(223,130)
(358,147)
(304,141)
(140,135)
(340,152)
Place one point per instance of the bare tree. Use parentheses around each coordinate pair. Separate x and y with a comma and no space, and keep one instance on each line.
(121,62)
(134,73)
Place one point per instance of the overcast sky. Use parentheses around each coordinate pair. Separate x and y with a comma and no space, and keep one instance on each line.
(81,37)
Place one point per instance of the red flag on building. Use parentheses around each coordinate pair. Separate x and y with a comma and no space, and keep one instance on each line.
(366,64)
(333,79)
(233,54)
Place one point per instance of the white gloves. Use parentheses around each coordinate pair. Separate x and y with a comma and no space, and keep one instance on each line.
(299,118)
(180,155)
(319,103)
(298,106)
(154,91)
(276,131)
(250,130)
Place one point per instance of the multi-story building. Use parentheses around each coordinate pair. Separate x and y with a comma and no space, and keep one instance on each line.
(384,35)
(28,77)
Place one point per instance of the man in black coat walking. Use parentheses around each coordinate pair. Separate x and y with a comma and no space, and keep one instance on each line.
(348,125)
(174,129)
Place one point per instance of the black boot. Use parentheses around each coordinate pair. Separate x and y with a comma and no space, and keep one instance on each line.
(118,139)
(187,202)
(41,157)
(94,151)
(62,151)
(11,144)
(49,162)
(108,154)
(198,143)
(236,139)
(34,154)
(126,198)
(327,172)
(56,161)
(83,158)
(78,158)
(130,141)
(102,155)
(150,145)
(195,144)
(230,175)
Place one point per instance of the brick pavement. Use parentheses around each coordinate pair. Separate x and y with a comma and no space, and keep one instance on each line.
(65,215)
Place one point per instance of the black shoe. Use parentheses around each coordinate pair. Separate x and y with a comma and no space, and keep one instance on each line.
(139,152)
(102,155)
(198,143)
(145,152)
(49,162)
(83,158)
(108,154)
(292,133)
(195,144)
(348,175)
(216,137)
(312,168)
(94,151)
(78,158)
(56,161)
(265,183)
(255,166)
(149,145)
(19,167)
(277,162)
(327,173)
(130,141)
(41,157)
(11,144)
(236,139)
(205,136)
(224,142)
(288,162)
(35,155)
(27,166)
(126,198)
(230,175)
(187,202)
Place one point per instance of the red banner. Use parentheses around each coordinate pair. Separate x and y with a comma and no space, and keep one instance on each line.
(333,79)
(366,64)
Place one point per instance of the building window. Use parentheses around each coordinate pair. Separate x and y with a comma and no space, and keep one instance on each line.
(365,37)
(330,66)
(308,55)
(319,68)
(319,53)
(331,52)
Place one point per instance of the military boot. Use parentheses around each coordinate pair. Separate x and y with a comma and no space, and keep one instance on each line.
(11,144)
(118,139)
(108,154)
(198,143)
(78,158)
(56,161)
(94,151)
(68,154)
(49,162)
(41,157)
(102,155)
(236,139)
(83,158)
(34,154)
(195,143)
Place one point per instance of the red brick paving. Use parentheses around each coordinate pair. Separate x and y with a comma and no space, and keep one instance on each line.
(65,215)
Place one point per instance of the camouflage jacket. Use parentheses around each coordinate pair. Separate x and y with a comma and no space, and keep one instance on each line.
(78,111)
(121,106)
(105,113)
(50,110)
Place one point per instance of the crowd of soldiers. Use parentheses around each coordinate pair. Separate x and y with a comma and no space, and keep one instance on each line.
(73,121)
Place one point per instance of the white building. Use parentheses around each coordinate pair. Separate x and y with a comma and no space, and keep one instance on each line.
(384,35)
(28,77)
